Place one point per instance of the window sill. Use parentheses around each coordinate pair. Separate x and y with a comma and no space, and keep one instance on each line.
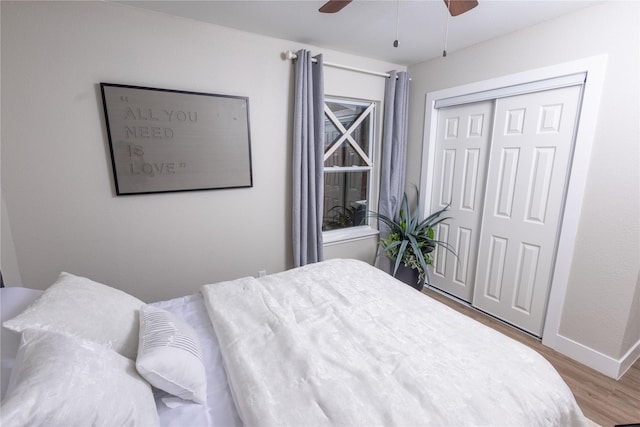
(348,234)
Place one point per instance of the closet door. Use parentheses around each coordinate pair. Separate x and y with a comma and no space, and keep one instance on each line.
(526,180)
(462,147)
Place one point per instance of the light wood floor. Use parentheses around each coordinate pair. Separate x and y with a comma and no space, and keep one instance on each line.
(603,400)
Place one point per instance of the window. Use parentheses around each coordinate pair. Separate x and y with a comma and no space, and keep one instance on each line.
(348,163)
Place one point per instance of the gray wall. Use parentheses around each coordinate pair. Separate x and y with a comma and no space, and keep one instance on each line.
(601,306)
(57,184)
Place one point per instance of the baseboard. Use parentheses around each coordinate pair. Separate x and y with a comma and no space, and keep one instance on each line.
(602,363)
(629,359)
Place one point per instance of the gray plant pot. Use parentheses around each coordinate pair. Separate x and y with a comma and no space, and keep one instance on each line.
(409,276)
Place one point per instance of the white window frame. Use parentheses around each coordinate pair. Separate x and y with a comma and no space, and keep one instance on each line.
(363,231)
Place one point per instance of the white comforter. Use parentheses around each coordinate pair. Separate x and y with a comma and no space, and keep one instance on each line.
(342,343)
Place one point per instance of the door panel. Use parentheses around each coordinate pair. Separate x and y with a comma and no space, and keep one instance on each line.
(526,179)
(462,145)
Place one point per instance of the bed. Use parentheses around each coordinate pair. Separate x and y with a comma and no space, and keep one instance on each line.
(334,343)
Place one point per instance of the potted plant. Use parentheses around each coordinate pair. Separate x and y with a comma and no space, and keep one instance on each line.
(342,217)
(410,242)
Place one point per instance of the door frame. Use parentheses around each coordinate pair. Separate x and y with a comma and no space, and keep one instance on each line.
(595,68)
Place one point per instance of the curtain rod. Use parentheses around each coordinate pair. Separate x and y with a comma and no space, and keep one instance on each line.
(292,55)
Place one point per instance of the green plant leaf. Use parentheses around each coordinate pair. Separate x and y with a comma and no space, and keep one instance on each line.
(410,240)
(401,251)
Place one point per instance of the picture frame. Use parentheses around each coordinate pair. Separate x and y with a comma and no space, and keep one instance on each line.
(166,140)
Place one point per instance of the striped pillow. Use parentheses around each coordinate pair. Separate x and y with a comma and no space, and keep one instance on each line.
(169,355)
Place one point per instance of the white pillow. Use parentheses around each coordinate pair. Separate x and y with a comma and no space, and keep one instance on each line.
(59,380)
(86,309)
(169,355)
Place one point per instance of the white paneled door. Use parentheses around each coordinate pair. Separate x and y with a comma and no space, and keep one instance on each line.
(464,139)
(507,197)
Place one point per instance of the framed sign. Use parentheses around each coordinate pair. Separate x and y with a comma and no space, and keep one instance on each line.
(164,140)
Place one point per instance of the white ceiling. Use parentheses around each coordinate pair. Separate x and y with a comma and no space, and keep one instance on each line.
(368,28)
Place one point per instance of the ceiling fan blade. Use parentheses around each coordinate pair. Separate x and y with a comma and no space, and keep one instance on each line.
(457,7)
(333,6)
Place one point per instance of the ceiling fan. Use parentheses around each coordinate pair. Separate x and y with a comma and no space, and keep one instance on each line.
(455,7)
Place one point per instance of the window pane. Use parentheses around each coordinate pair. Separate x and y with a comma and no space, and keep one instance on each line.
(347,113)
(345,199)
(345,155)
(331,133)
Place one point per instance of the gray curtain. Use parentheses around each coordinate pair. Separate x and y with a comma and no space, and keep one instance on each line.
(394,143)
(308,152)
(394,149)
